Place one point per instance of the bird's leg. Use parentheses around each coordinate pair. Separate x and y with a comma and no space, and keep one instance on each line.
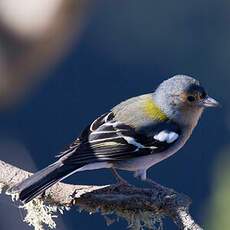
(119,179)
(142,175)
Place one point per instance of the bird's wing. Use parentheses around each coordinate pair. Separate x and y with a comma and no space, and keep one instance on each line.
(109,140)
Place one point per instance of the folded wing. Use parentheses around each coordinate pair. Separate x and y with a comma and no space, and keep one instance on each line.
(109,140)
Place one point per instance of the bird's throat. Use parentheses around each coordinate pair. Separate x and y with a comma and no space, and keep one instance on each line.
(153,111)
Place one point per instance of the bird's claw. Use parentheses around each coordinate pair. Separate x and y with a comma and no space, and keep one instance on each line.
(122,182)
(152,183)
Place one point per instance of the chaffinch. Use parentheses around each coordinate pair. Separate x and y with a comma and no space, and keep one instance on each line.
(135,135)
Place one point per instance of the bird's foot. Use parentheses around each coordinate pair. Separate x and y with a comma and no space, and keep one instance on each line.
(152,183)
(122,182)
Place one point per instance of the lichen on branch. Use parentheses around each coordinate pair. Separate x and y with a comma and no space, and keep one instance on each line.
(142,208)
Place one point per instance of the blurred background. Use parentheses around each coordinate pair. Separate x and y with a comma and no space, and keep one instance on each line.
(64,62)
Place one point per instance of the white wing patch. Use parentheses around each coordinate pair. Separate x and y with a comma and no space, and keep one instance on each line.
(166,136)
(172,137)
(132,141)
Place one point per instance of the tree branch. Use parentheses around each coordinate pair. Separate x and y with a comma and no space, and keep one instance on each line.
(141,207)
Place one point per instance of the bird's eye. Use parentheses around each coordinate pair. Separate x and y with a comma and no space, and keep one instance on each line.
(191,98)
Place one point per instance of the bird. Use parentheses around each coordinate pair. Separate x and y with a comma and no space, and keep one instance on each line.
(133,136)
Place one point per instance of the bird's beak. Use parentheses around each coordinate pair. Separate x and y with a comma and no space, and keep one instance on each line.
(210,102)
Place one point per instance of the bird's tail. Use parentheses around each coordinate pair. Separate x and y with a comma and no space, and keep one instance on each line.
(42,180)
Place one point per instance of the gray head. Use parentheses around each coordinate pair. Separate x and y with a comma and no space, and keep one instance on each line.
(183,99)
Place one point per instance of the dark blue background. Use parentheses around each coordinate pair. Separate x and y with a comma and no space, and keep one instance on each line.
(127,49)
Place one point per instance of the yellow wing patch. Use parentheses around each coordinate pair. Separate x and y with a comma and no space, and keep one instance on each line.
(153,111)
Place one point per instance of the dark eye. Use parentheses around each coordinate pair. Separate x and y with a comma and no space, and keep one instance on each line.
(191,98)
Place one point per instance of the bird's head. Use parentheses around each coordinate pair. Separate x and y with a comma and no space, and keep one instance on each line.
(183,99)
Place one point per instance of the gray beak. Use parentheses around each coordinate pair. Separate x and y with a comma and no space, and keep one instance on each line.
(210,102)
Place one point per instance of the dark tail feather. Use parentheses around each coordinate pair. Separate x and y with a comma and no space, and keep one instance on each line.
(42,180)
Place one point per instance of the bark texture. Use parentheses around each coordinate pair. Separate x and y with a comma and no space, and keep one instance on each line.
(141,207)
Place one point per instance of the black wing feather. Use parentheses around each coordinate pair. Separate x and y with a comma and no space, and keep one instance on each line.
(106,140)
